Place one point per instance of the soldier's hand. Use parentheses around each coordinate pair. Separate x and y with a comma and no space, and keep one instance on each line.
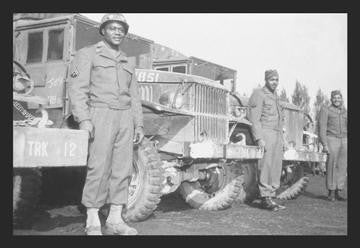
(261,143)
(139,135)
(88,126)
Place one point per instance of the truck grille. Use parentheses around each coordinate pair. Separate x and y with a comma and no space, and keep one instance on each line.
(210,106)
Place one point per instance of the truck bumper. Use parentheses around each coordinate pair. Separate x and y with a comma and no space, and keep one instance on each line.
(304,156)
(49,147)
(209,149)
(229,151)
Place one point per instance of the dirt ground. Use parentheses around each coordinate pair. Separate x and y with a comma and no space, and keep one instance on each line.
(309,214)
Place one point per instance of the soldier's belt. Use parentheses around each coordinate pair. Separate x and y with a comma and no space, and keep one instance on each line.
(118,106)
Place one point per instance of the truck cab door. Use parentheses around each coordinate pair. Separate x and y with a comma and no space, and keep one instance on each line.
(43,52)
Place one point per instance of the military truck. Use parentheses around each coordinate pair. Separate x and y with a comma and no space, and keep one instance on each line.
(35,145)
(194,144)
(303,147)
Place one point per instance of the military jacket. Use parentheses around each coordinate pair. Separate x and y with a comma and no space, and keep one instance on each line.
(98,78)
(332,122)
(265,112)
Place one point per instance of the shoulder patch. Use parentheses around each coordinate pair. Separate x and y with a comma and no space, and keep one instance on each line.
(74,72)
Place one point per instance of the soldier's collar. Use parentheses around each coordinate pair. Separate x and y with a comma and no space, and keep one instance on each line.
(267,91)
(101,48)
(341,109)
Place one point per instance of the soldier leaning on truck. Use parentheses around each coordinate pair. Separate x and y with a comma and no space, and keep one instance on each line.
(333,136)
(266,116)
(105,101)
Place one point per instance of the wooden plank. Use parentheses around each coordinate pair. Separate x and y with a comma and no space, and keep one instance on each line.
(49,147)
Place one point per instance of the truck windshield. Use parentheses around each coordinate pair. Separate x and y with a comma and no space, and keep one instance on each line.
(35,47)
(162,68)
(56,44)
(179,69)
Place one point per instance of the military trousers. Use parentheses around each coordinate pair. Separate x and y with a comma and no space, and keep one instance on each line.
(270,165)
(336,164)
(109,165)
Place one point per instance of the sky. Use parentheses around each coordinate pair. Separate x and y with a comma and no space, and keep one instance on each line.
(310,48)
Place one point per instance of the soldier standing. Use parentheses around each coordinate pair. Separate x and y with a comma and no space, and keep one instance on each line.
(266,116)
(103,94)
(333,136)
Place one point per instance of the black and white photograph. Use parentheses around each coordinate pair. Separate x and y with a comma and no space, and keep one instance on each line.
(185,124)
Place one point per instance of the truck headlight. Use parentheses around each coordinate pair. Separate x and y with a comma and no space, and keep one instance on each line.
(167,99)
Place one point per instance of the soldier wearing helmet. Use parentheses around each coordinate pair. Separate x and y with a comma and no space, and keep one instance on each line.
(104,99)
(113,18)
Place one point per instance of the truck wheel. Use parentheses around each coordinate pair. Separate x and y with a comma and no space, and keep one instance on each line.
(26,194)
(217,192)
(250,190)
(293,181)
(146,182)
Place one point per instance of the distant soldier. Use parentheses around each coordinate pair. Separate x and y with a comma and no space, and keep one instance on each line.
(333,136)
(266,116)
(103,94)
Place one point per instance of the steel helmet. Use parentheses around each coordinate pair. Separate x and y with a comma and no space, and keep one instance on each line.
(117,17)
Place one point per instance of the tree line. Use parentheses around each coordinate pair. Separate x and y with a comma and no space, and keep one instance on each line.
(301,98)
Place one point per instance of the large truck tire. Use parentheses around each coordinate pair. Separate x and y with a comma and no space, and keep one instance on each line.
(249,190)
(292,183)
(26,195)
(146,183)
(217,193)
(246,169)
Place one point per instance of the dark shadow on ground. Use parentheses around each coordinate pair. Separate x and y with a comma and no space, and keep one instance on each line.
(257,203)
(254,204)
(46,223)
(172,202)
(311,195)
(314,196)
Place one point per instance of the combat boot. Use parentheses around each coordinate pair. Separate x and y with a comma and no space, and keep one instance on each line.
(93,225)
(331,195)
(268,204)
(93,230)
(280,207)
(338,197)
(119,229)
(115,225)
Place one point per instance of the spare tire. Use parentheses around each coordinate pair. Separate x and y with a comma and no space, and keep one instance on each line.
(216,193)
(26,195)
(293,181)
(250,190)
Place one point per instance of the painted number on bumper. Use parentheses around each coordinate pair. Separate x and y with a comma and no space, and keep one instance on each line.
(40,147)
